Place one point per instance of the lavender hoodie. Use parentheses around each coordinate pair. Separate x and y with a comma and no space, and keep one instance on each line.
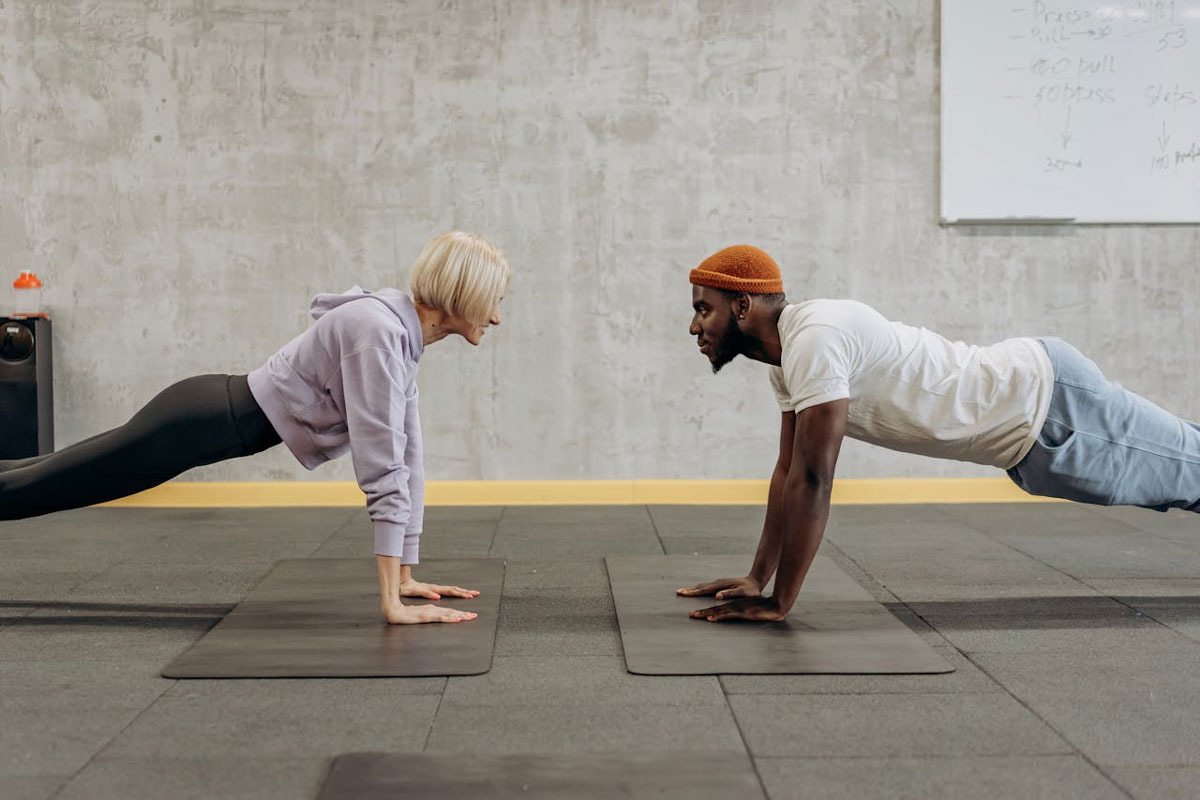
(350,382)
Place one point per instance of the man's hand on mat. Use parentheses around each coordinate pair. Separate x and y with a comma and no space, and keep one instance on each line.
(723,589)
(398,614)
(755,609)
(434,591)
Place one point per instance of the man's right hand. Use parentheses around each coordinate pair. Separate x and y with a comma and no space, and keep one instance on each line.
(724,588)
(398,614)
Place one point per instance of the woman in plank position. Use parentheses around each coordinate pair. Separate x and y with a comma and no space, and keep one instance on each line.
(348,383)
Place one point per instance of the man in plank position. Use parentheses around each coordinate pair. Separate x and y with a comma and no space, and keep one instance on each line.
(1037,408)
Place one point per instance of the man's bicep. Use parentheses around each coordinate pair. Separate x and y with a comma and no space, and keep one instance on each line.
(817,440)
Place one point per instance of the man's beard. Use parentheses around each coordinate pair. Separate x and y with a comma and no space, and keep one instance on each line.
(730,346)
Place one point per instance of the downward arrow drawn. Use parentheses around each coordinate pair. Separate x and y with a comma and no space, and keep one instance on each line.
(1164,140)
(1066,134)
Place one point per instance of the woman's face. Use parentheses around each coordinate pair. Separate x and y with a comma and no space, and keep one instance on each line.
(474,333)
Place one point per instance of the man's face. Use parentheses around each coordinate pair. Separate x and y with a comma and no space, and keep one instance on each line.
(715,326)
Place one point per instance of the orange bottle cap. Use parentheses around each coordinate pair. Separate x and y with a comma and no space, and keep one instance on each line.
(28,280)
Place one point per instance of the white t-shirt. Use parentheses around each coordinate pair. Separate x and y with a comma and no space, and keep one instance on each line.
(911,389)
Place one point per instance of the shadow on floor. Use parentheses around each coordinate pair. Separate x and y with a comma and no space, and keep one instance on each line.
(117,615)
(1023,613)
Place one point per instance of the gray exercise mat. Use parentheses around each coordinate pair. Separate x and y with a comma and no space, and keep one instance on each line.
(579,776)
(320,618)
(835,627)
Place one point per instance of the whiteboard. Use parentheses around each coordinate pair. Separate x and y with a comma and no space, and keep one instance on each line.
(1071,111)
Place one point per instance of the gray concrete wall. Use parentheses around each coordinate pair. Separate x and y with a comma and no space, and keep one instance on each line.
(185,175)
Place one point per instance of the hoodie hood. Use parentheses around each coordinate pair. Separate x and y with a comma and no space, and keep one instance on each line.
(322,304)
(398,302)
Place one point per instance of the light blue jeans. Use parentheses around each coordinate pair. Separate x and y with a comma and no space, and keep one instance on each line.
(1103,444)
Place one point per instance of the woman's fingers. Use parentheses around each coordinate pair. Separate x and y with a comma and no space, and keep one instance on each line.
(415,615)
(432,613)
(439,614)
(728,594)
(436,591)
(456,591)
(419,589)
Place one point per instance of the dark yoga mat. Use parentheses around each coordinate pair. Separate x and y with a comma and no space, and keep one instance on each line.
(319,618)
(579,776)
(835,627)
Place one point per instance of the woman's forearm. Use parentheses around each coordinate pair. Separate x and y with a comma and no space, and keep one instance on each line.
(391,575)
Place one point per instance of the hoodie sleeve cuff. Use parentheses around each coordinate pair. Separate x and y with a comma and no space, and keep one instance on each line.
(412,546)
(389,540)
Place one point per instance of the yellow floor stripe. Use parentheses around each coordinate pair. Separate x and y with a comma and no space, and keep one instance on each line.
(849,491)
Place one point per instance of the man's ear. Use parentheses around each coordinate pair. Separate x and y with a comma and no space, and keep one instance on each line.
(741,305)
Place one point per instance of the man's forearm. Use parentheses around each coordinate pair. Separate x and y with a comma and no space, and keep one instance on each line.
(806,510)
(766,558)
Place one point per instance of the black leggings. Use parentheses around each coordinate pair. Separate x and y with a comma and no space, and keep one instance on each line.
(197,421)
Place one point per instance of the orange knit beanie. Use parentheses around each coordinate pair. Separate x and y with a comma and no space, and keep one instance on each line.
(740,268)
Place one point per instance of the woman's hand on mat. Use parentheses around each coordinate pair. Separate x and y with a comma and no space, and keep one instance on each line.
(434,591)
(398,614)
(724,589)
(754,609)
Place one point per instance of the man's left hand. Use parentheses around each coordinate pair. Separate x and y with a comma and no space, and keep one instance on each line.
(752,609)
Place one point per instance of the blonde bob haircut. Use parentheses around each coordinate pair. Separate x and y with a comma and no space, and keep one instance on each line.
(461,274)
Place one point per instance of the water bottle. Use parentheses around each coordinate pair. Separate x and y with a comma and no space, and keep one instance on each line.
(29,295)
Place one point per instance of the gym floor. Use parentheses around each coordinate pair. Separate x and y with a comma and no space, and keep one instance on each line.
(1075,632)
